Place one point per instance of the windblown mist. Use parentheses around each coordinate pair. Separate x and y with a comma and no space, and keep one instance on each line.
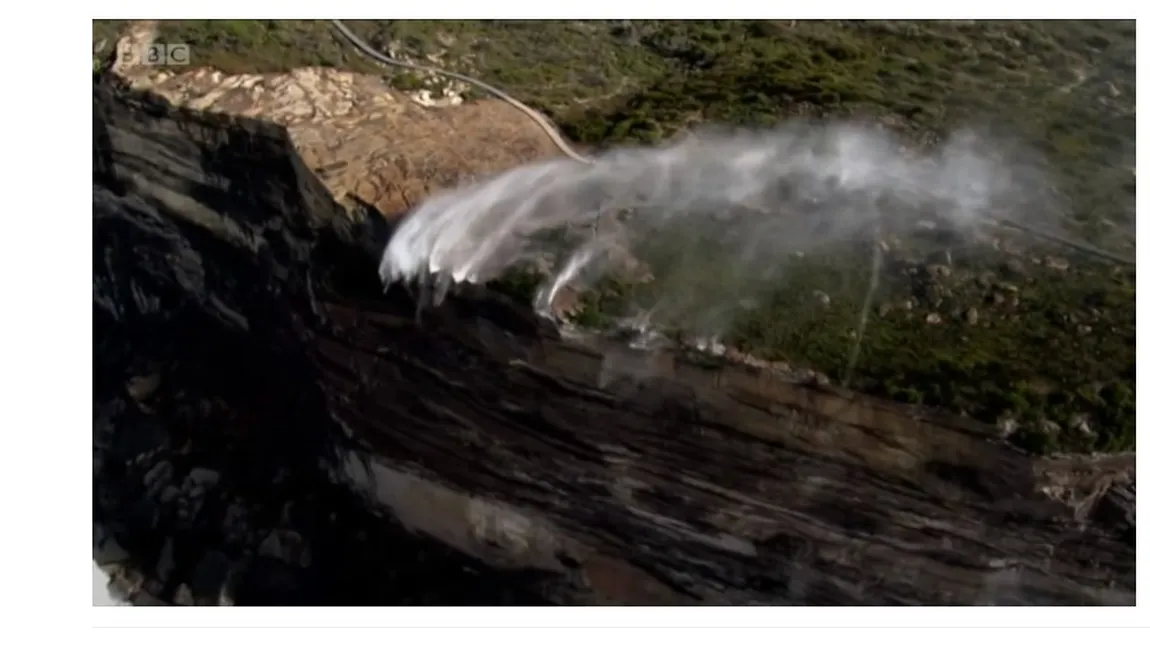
(717,218)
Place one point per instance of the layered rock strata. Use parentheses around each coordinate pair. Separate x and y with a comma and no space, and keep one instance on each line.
(272,427)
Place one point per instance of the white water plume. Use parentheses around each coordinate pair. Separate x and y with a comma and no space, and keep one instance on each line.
(714,217)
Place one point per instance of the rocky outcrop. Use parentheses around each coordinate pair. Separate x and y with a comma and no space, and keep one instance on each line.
(366,141)
(213,442)
(272,427)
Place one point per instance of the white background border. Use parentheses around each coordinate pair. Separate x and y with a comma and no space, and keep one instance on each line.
(48,349)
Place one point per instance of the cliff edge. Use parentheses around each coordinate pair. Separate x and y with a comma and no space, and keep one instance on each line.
(272,427)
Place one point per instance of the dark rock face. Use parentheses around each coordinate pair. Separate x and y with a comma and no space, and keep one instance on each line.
(202,290)
(272,427)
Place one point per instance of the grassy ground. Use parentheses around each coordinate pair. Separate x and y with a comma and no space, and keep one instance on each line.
(1047,344)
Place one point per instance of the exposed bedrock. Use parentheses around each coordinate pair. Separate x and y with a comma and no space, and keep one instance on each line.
(272,427)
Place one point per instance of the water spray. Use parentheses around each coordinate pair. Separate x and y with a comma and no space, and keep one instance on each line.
(756,197)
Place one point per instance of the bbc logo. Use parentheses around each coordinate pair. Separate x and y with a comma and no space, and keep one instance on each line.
(166,54)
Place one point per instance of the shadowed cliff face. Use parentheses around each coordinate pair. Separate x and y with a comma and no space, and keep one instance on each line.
(210,433)
(271,427)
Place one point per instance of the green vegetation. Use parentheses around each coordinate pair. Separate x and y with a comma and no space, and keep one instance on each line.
(263,45)
(1046,343)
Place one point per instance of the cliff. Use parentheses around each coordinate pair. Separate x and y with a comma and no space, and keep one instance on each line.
(272,427)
